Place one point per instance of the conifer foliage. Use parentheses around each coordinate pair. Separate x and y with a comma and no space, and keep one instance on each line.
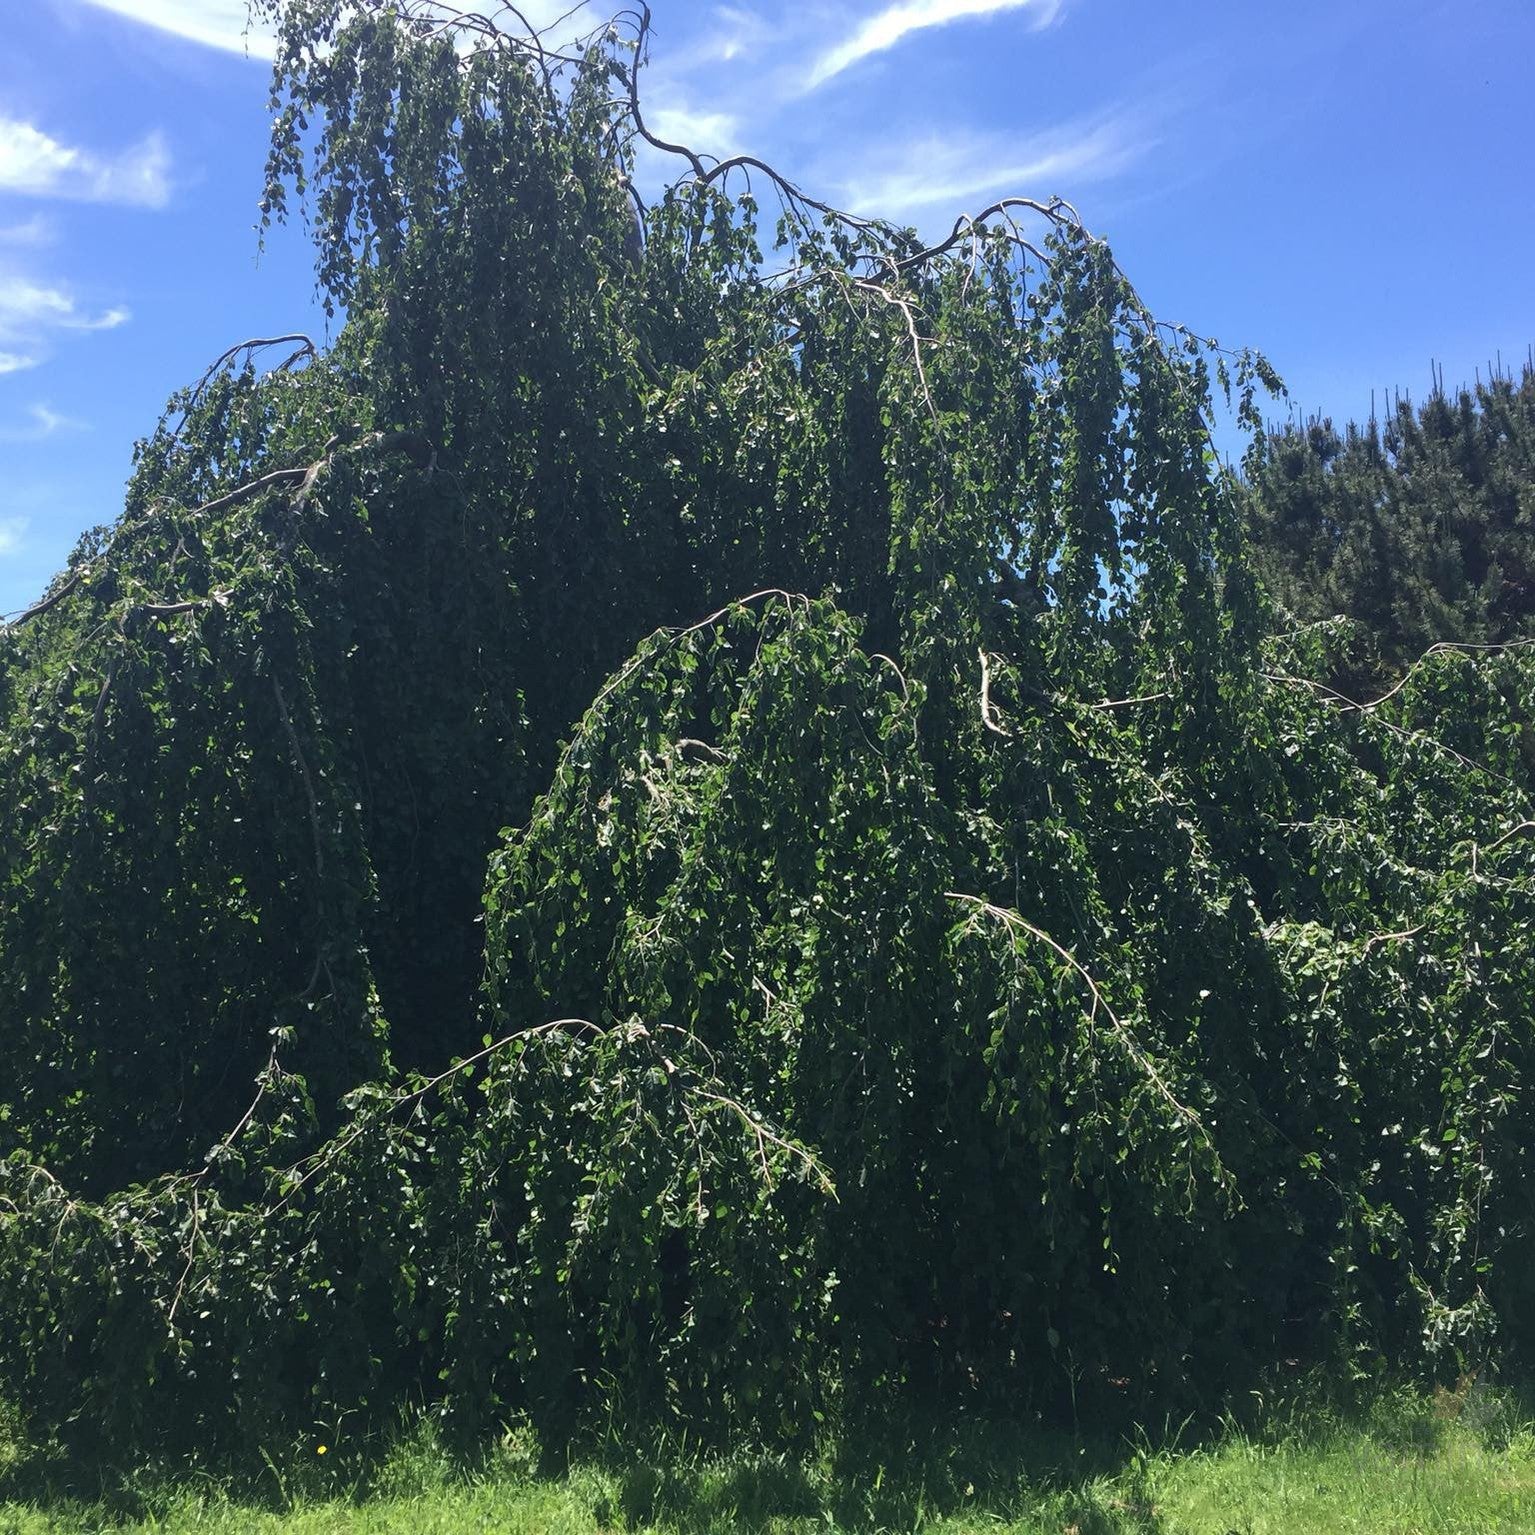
(704,827)
(1420,527)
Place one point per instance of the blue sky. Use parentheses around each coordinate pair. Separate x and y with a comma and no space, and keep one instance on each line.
(1349,186)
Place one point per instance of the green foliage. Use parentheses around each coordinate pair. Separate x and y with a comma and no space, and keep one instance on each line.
(997,975)
(1420,527)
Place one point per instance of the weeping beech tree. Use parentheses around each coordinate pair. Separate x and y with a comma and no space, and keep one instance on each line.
(971,960)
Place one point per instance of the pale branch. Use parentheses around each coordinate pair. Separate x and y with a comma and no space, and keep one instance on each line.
(1398,937)
(191,1252)
(763,1134)
(1121,703)
(1181,1111)
(894,254)
(1332,695)
(251,490)
(1441,648)
(989,717)
(255,344)
(1478,851)
(170,609)
(303,1172)
(1057,211)
(412,444)
(667,637)
(98,715)
(317,1161)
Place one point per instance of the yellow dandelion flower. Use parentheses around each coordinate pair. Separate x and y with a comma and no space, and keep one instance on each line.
(320,1449)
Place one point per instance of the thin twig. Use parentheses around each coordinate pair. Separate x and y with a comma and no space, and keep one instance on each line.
(763,1133)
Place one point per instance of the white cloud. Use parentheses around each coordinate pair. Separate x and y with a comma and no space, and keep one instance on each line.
(33,162)
(734,30)
(28,308)
(214,23)
(108,319)
(30,161)
(11,531)
(27,305)
(887,28)
(739,29)
(225,23)
(44,422)
(31,312)
(712,133)
(954,170)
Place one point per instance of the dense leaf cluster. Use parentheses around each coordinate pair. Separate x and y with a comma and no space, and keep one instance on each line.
(1421,526)
(1000,973)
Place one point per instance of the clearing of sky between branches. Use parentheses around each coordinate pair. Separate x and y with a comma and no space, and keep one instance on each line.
(705,822)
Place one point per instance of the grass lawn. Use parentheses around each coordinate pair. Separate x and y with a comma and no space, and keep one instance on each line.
(1421,1469)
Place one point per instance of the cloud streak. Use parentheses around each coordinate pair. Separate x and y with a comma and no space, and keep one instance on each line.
(28,307)
(888,27)
(954,170)
(44,422)
(30,313)
(214,23)
(708,132)
(224,24)
(36,164)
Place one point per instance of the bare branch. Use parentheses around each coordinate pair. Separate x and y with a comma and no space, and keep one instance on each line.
(52,600)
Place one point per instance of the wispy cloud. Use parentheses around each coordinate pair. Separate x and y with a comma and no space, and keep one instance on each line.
(888,27)
(35,163)
(957,169)
(226,24)
(214,23)
(31,233)
(708,132)
(733,31)
(42,422)
(737,29)
(32,312)
(28,307)
(11,531)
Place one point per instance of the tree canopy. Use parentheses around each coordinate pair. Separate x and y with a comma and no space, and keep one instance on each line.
(710,823)
(1420,527)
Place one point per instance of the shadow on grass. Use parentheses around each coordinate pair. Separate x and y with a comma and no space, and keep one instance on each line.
(905,1472)
(898,1478)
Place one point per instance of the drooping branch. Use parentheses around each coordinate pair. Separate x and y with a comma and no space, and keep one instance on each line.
(1098,1002)
(39,608)
(1348,705)
(305,349)
(415,447)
